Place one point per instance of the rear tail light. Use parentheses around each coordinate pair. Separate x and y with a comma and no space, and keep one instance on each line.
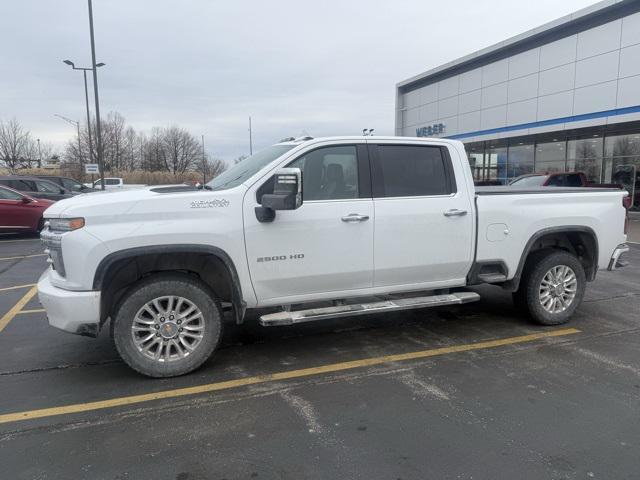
(626,203)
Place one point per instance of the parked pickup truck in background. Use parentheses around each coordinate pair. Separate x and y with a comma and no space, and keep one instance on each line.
(330,222)
(111,183)
(569,179)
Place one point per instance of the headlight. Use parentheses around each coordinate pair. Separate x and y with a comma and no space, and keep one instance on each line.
(65,224)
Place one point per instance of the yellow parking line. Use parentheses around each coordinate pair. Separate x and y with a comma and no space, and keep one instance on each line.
(16,287)
(23,256)
(4,321)
(305,372)
(35,310)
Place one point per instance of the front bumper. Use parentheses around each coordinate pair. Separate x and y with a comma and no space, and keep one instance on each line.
(615,261)
(74,312)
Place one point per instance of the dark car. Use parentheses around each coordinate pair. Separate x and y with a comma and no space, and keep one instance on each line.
(68,183)
(35,187)
(19,212)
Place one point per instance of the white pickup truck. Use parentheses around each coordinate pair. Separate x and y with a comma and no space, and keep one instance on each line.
(318,228)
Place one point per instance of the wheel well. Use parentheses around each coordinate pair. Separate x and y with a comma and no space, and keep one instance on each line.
(115,276)
(580,242)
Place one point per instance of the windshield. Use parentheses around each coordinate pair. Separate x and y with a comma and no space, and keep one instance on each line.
(531,181)
(248,167)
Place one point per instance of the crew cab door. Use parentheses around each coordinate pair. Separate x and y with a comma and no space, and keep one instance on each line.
(424,226)
(324,246)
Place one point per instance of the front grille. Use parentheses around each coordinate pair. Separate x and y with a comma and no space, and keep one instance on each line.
(53,248)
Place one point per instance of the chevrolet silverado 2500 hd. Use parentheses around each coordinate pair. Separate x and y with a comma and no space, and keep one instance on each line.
(353,225)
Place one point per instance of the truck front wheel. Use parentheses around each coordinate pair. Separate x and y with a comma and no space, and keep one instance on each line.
(552,286)
(167,325)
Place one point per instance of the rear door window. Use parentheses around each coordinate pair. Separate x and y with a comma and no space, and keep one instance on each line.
(411,171)
(556,181)
(574,180)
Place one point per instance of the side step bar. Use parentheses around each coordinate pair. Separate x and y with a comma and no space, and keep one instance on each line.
(312,314)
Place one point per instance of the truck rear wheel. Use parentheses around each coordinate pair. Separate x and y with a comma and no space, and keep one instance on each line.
(552,286)
(167,325)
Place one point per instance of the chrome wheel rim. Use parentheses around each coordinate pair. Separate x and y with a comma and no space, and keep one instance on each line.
(168,329)
(558,289)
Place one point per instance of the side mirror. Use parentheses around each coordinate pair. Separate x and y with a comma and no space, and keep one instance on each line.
(62,191)
(287,194)
(26,200)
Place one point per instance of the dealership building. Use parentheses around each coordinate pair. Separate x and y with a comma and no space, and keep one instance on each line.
(562,97)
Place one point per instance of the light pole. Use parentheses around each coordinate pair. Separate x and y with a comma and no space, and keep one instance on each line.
(39,154)
(77,125)
(95,94)
(250,139)
(86,98)
(204,164)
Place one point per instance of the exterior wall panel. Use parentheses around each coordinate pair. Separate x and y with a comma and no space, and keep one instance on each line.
(558,53)
(523,88)
(557,105)
(598,69)
(598,40)
(557,79)
(630,61)
(522,112)
(631,30)
(595,98)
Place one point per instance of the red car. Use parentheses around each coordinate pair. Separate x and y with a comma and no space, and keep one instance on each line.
(19,212)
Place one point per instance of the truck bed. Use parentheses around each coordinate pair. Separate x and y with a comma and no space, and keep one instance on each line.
(508,217)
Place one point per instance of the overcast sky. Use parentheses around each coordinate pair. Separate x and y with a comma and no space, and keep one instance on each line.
(322,67)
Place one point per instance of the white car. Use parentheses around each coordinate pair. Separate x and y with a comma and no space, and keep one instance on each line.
(334,220)
(111,183)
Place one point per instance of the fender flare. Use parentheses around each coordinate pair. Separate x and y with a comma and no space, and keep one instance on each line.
(239,305)
(514,283)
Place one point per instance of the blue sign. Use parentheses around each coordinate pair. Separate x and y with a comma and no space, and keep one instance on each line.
(430,130)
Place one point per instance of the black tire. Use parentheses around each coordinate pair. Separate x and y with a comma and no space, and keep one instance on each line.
(537,266)
(154,287)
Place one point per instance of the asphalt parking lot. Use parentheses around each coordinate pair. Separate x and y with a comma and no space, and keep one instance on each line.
(461,393)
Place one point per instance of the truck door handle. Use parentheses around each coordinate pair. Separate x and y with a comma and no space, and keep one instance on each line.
(454,212)
(354,217)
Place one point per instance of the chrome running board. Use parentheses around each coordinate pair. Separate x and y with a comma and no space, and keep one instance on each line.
(313,314)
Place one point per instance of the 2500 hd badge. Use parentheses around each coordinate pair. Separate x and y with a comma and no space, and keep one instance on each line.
(277,258)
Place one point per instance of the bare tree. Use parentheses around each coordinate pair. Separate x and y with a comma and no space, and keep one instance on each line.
(14,144)
(182,150)
(211,167)
(155,154)
(131,154)
(113,128)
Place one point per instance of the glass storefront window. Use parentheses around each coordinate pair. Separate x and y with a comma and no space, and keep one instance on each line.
(551,157)
(585,148)
(622,146)
(520,160)
(585,155)
(475,153)
(496,160)
(591,167)
(622,163)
